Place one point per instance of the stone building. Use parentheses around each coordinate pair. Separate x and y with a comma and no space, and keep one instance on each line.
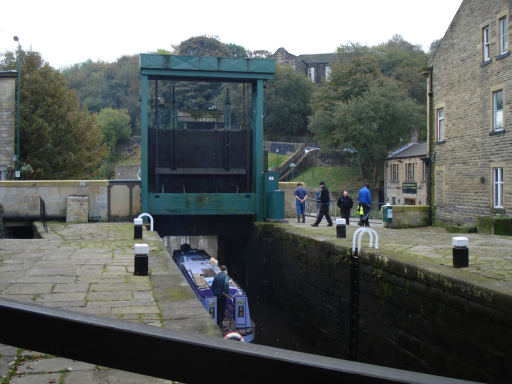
(470,120)
(316,67)
(7,119)
(406,175)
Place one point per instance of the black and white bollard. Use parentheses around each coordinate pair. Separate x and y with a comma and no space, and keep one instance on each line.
(141,260)
(137,228)
(460,252)
(341,228)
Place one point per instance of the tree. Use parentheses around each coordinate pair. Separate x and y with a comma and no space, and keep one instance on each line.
(364,108)
(115,125)
(287,103)
(58,138)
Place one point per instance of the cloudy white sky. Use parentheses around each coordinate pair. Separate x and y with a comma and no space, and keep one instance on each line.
(70,31)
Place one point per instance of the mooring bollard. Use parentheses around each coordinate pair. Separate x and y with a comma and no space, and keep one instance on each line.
(141,260)
(137,228)
(460,252)
(341,228)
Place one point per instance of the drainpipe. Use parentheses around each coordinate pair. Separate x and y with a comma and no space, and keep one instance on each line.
(430,93)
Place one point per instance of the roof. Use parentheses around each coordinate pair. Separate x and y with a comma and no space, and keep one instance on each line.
(410,150)
(11,73)
(320,58)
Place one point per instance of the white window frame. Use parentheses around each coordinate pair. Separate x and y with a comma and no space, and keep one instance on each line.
(311,73)
(497,187)
(498,114)
(503,35)
(440,123)
(328,71)
(486,46)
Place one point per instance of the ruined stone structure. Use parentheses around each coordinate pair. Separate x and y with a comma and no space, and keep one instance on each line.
(316,67)
(406,175)
(470,124)
(7,119)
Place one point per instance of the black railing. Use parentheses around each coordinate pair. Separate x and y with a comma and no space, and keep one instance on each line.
(174,355)
(42,213)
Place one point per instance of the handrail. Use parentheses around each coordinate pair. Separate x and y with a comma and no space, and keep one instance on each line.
(43,216)
(150,219)
(358,234)
(167,353)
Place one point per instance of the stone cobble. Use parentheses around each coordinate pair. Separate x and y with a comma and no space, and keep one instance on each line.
(89,268)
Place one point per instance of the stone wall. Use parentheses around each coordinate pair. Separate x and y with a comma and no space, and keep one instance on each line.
(7,122)
(463,85)
(410,216)
(107,200)
(409,317)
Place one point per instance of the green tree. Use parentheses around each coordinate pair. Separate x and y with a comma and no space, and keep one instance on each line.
(58,138)
(287,103)
(115,125)
(364,108)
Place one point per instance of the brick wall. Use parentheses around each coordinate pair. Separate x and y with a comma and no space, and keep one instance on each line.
(462,84)
(7,121)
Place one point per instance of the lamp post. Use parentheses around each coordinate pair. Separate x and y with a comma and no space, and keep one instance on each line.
(277,151)
(18,104)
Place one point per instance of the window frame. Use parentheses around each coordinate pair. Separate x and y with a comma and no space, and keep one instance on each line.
(409,171)
(486,44)
(311,73)
(440,124)
(502,35)
(497,187)
(495,110)
(395,175)
(328,71)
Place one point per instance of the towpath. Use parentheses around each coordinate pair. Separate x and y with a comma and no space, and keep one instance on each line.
(89,268)
(490,256)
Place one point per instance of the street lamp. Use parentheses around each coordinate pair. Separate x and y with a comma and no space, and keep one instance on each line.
(277,151)
(18,104)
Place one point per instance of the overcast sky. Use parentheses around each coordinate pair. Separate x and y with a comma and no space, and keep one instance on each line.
(69,32)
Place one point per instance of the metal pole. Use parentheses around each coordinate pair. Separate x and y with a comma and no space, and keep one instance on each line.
(18,113)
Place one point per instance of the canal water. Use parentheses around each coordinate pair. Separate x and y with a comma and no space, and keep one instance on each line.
(273,328)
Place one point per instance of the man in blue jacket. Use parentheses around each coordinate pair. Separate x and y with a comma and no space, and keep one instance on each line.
(365,200)
(300,201)
(220,288)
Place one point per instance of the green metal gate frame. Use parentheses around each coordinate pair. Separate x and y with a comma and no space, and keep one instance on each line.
(192,68)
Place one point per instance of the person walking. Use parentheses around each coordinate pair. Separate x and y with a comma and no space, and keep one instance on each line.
(325,200)
(345,204)
(300,202)
(220,288)
(365,201)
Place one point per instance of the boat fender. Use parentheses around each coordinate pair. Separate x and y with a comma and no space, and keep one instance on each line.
(234,336)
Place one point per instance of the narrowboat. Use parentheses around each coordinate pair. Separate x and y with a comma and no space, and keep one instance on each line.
(199,269)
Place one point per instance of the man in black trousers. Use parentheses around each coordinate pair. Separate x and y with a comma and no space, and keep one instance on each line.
(325,200)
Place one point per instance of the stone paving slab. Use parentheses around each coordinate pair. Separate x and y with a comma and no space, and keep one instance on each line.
(89,268)
(490,256)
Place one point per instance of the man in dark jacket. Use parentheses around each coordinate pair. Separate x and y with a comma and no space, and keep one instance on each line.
(345,204)
(325,200)
(220,288)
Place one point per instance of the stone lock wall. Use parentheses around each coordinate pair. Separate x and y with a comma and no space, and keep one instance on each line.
(409,317)
(463,85)
(410,216)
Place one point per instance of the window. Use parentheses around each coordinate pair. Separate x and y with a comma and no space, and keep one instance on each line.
(409,171)
(393,200)
(502,25)
(497,176)
(497,102)
(394,172)
(311,73)
(440,124)
(328,70)
(485,44)
(423,171)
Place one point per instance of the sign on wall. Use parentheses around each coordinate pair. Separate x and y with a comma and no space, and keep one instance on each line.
(410,187)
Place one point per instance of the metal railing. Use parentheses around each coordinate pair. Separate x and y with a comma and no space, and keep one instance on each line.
(174,355)
(43,216)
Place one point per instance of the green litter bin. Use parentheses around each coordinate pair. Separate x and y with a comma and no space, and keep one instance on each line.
(387,215)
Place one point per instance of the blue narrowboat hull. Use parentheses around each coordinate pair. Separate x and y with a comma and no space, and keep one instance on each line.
(199,269)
